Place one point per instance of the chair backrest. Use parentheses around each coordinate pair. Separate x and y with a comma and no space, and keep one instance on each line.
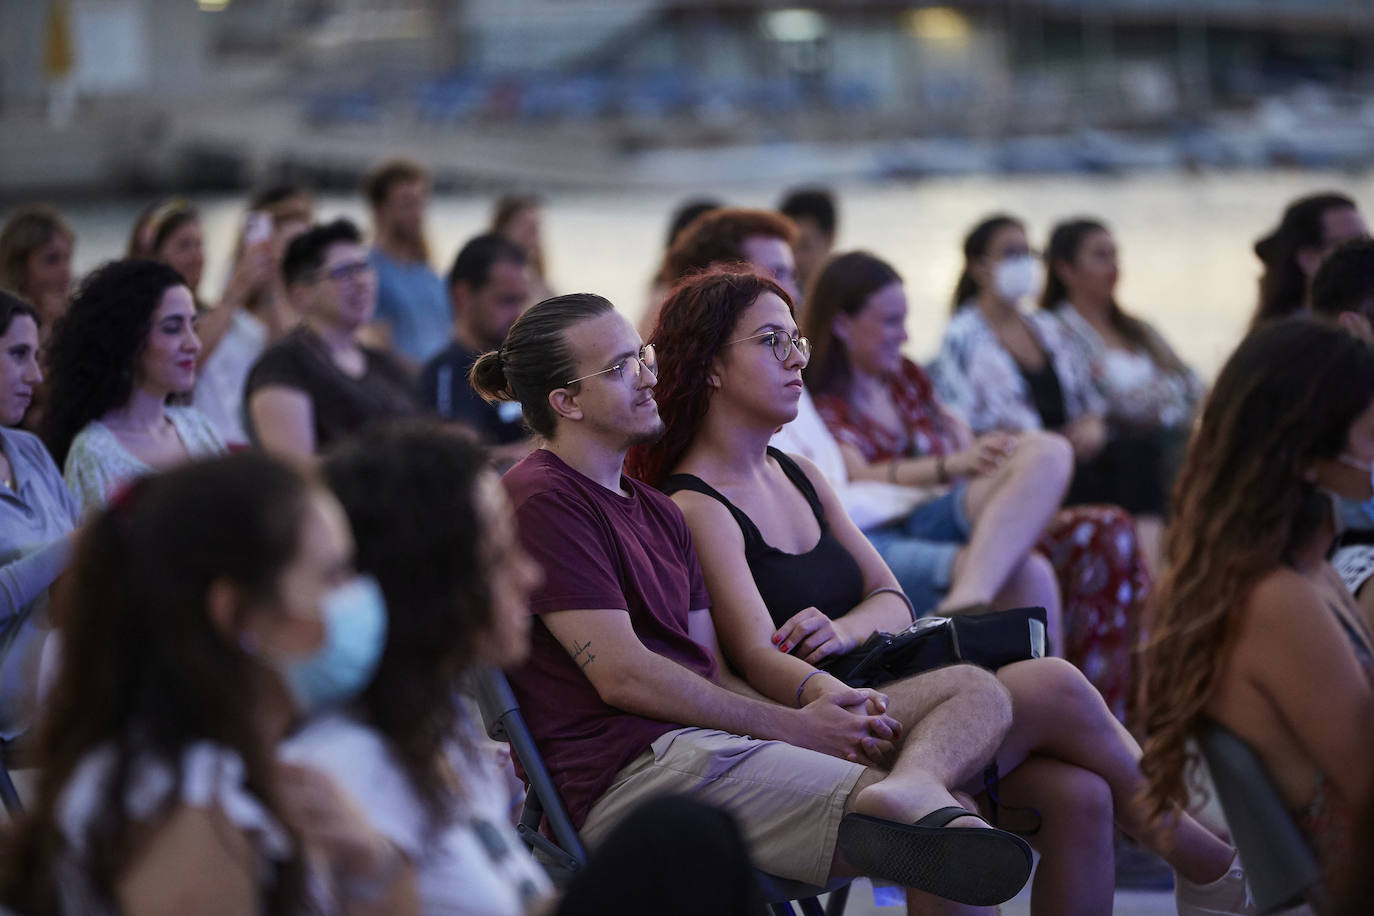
(1279,865)
(565,854)
(9,796)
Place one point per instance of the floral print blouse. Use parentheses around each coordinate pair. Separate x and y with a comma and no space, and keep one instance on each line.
(1139,392)
(977,377)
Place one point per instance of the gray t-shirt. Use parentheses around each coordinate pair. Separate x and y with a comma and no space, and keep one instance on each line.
(35,519)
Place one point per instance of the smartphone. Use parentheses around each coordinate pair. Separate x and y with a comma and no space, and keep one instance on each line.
(257,228)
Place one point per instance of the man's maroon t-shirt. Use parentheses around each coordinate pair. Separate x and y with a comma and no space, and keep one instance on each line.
(599,550)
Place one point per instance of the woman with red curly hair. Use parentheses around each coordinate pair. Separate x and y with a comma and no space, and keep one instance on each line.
(788,572)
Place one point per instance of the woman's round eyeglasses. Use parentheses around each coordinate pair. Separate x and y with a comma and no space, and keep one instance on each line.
(781,343)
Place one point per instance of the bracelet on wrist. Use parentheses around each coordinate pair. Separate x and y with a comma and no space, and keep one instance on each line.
(803,684)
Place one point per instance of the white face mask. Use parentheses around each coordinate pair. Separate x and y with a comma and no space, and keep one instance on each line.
(1014,278)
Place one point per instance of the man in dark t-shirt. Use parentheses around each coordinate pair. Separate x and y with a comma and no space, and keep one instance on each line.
(489,287)
(624,691)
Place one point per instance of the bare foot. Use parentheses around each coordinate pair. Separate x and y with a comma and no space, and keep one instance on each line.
(907,801)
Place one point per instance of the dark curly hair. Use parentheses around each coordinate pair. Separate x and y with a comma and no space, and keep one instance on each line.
(96,345)
(696,321)
(410,492)
(147,674)
(1242,507)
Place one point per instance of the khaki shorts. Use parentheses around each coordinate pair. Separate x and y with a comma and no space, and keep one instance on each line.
(787,800)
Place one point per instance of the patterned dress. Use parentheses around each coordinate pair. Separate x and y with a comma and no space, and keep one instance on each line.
(1093,549)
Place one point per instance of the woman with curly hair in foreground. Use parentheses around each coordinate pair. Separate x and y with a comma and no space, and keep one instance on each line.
(1255,631)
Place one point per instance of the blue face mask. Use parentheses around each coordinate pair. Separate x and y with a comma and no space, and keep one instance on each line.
(354,636)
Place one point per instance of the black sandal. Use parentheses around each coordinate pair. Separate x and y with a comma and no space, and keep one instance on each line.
(969,865)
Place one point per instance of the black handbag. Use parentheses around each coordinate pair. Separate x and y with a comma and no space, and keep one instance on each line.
(988,640)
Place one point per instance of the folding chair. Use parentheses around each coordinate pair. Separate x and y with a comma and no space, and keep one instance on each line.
(8,795)
(1280,868)
(565,854)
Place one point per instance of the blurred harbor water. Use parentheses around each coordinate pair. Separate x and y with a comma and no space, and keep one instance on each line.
(1185,240)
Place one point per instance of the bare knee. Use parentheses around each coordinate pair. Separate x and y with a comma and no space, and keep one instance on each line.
(1056,689)
(1070,798)
(978,688)
(1045,456)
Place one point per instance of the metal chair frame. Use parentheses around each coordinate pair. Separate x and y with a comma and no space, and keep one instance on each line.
(564,855)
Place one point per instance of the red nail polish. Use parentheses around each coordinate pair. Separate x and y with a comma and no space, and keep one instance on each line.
(784,647)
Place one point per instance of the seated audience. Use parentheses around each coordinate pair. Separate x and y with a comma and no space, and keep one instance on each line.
(207,608)
(36,246)
(1149,393)
(125,350)
(318,383)
(1002,370)
(624,690)
(1253,628)
(518,218)
(794,583)
(987,500)
(37,517)
(412,319)
(490,287)
(275,216)
(813,212)
(432,524)
(1311,226)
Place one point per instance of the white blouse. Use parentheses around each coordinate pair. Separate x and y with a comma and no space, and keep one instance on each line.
(472,864)
(210,776)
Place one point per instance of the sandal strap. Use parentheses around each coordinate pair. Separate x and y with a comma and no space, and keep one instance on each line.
(942,816)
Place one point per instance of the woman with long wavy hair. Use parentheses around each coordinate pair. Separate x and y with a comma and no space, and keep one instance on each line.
(793,580)
(1254,629)
(116,360)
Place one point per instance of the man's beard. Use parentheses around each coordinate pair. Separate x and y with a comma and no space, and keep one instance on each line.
(648,436)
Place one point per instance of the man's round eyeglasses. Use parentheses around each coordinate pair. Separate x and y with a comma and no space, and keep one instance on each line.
(781,343)
(646,360)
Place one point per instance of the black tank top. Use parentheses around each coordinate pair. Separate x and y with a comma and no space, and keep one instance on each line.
(1047,395)
(826,577)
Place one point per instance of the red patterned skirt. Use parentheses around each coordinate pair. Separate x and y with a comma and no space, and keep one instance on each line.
(1104,583)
